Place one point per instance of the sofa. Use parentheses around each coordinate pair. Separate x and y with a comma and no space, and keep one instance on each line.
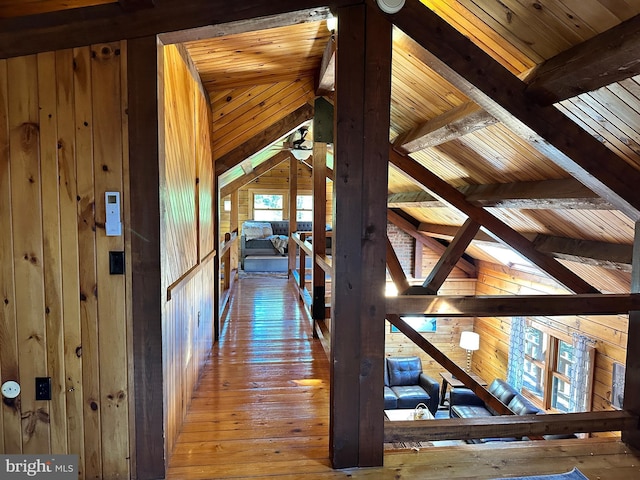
(405,385)
(463,403)
(269,238)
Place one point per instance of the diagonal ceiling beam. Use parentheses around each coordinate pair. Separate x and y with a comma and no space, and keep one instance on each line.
(612,256)
(567,193)
(498,228)
(327,74)
(409,228)
(609,57)
(487,83)
(451,256)
(108,23)
(265,138)
(395,270)
(258,171)
(455,123)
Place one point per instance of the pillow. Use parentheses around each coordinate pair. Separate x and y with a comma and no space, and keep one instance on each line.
(253,230)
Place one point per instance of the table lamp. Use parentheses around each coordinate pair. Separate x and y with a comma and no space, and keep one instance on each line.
(470,341)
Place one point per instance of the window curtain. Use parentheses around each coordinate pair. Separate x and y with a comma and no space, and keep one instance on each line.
(515,367)
(581,373)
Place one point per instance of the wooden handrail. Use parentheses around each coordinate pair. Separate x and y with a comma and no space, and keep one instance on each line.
(325,262)
(509,426)
(298,237)
(226,245)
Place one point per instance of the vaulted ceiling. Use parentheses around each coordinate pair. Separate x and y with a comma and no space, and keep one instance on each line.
(527,112)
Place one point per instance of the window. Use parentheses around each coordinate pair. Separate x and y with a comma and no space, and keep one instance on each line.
(547,366)
(304,208)
(267,207)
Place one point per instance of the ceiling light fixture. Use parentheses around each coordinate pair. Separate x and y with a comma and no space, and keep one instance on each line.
(390,6)
(332,23)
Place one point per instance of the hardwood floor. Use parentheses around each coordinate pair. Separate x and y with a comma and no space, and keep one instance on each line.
(262,411)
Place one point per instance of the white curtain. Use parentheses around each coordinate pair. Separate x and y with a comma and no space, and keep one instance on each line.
(581,374)
(515,367)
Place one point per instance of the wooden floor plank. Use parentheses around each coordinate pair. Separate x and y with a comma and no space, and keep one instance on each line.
(261,411)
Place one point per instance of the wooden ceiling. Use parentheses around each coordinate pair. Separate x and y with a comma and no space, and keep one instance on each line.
(260,74)
(18,8)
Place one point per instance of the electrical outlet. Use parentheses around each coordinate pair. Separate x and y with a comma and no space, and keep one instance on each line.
(43,388)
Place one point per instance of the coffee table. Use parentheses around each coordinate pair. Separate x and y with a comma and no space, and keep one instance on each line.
(405,414)
(449,379)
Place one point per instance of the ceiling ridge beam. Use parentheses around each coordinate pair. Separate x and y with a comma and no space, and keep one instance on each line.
(508,235)
(609,57)
(481,78)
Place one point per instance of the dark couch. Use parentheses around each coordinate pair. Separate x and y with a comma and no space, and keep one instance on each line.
(264,246)
(466,404)
(405,386)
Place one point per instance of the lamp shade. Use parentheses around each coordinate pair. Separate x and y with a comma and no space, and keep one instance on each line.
(469,340)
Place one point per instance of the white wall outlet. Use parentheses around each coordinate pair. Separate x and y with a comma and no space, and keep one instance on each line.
(10,389)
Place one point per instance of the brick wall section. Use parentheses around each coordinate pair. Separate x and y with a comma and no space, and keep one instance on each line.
(404,246)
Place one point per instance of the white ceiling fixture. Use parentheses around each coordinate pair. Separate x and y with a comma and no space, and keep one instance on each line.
(390,6)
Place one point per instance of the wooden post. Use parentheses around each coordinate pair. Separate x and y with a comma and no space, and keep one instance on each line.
(293,220)
(363,88)
(319,227)
(145,163)
(632,369)
(227,263)
(234,227)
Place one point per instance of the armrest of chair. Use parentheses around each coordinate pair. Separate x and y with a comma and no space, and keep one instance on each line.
(464,396)
(432,387)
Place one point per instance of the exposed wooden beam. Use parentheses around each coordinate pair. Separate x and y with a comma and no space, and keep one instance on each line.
(109,22)
(455,123)
(503,426)
(395,269)
(319,228)
(260,170)
(510,305)
(363,98)
(451,256)
(133,5)
(566,193)
(632,365)
(293,214)
(409,228)
(447,193)
(609,57)
(263,139)
(242,26)
(487,83)
(612,256)
(327,74)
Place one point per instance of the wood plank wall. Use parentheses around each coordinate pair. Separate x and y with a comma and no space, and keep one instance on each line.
(446,337)
(609,331)
(188,240)
(63,144)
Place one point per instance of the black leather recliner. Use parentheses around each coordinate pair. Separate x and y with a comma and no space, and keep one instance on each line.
(405,386)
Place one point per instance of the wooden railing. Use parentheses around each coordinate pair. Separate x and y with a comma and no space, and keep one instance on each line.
(227,267)
(505,425)
(320,326)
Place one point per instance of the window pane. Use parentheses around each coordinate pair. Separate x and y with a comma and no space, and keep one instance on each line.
(304,216)
(533,378)
(267,215)
(535,344)
(261,201)
(304,202)
(565,357)
(560,394)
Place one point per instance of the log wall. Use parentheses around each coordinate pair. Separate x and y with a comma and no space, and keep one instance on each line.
(63,143)
(187,237)
(608,331)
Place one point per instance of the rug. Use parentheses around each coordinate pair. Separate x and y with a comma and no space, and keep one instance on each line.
(574,474)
